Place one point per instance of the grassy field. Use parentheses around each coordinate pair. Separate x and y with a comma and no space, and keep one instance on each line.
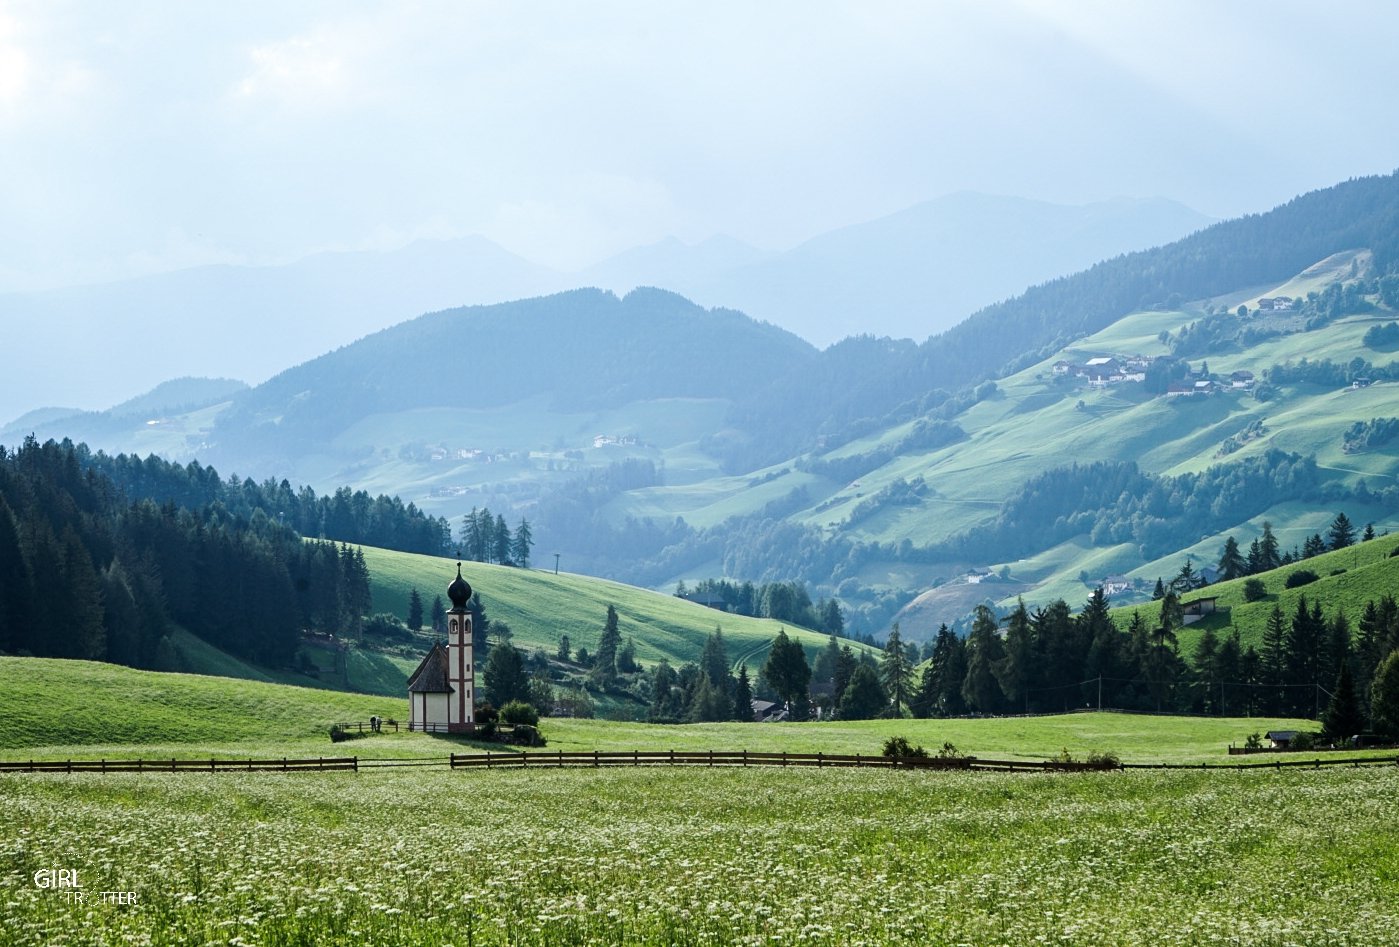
(425,855)
(81,709)
(706,857)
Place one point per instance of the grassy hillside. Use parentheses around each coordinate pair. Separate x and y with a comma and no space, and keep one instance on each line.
(49,702)
(541,607)
(81,709)
(1365,571)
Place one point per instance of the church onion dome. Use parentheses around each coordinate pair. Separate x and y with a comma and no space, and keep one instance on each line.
(459,591)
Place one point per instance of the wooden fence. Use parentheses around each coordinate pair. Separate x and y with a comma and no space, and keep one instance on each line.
(179,766)
(597,759)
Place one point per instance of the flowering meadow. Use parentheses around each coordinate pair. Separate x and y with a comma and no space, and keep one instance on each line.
(700,856)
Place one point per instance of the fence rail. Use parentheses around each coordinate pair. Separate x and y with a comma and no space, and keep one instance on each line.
(599,759)
(178,766)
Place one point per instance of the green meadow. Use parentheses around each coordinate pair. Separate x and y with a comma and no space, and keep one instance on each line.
(80,709)
(426,855)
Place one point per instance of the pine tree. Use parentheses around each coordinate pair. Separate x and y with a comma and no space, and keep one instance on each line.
(844,667)
(1268,557)
(415,610)
(14,585)
(565,648)
(1302,656)
(743,696)
(1343,718)
(1255,557)
(979,688)
(605,660)
(521,545)
(864,698)
(787,673)
(714,660)
(832,618)
(895,671)
(924,702)
(1313,546)
(626,658)
(1231,562)
(438,615)
(1342,533)
(1384,697)
(1013,671)
(501,541)
(506,678)
(1186,580)
(1158,593)
(1369,532)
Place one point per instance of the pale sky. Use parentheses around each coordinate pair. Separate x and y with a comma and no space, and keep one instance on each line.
(142,137)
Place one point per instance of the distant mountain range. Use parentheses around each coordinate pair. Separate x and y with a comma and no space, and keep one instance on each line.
(908,275)
(652,439)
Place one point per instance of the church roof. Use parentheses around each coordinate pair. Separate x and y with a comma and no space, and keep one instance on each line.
(431,675)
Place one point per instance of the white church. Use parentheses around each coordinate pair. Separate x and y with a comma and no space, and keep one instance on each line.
(441,692)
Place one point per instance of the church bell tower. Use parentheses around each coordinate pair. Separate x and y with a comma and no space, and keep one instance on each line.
(461,672)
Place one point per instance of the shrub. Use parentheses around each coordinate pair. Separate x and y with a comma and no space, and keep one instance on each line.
(1338,572)
(1302,741)
(1300,577)
(526,735)
(1254,741)
(520,712)
(950,752)
(1104,759)
(897,747)
(1255,590)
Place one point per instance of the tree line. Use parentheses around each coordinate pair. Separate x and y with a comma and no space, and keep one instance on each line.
(348,516)
(487,538)
(86,572)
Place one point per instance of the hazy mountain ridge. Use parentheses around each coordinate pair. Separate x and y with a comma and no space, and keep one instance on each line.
(757,439)
(253,321)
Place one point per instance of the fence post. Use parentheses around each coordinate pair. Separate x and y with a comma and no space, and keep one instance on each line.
(858,762)
(596,763)
(820,759)
(354,762)
(711,758)
(745,758)
(784,757)
(489,764)
(635,757)
(672,758)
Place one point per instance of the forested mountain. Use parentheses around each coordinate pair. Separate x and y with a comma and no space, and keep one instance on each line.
(584,349)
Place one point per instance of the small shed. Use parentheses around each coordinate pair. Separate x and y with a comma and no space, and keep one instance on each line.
(1281,739)
(1192,612)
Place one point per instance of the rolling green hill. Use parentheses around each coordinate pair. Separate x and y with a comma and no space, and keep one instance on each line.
(541,607)
(1347,579)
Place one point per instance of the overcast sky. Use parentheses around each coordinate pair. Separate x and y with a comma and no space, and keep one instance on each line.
(140,137)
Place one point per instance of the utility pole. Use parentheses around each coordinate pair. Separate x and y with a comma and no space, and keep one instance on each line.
(1100,693)
(556,563)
